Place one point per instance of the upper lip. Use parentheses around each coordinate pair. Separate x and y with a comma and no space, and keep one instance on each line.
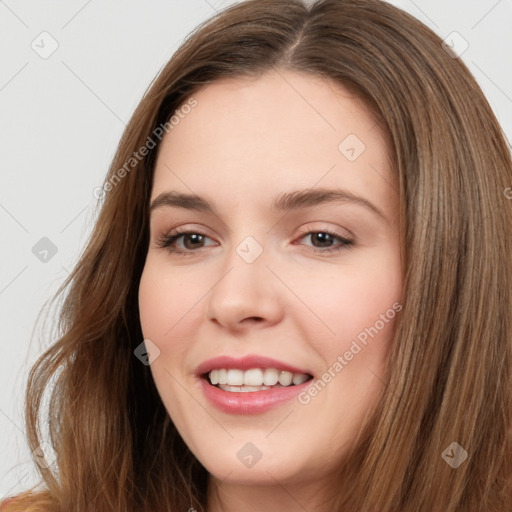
(245,363)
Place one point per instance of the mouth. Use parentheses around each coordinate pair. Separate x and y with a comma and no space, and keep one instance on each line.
(251,384)
(238,380)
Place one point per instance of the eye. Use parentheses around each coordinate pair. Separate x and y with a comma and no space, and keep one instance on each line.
(193,240)
(326,239)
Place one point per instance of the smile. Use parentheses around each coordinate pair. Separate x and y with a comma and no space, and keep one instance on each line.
(254,379)
(251,384)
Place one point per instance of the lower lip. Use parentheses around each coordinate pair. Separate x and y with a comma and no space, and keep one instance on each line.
(250,402)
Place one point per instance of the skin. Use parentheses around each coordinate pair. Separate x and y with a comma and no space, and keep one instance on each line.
(244,143)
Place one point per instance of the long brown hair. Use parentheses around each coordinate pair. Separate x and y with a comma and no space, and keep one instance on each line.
(450,367)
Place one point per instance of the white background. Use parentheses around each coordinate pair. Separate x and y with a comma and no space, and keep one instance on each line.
(61,118)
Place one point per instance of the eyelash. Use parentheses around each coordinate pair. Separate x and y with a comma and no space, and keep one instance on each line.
(166,241)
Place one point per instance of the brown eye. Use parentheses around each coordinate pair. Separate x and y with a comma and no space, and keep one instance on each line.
(192,240)
(325,240)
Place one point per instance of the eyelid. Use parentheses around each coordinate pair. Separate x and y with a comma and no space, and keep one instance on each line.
(184,229)
(323,227)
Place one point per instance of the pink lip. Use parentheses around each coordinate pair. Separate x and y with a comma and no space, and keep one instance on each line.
(246,363)
(251,402)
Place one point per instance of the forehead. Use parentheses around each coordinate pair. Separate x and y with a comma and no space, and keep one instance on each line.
(278,132)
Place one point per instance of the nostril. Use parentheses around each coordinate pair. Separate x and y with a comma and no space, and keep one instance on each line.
(254,319)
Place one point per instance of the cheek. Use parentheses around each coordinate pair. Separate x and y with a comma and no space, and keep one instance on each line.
(166,305)
(348,303)
(165,297)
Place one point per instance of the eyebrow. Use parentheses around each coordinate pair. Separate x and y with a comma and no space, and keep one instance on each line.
(285,202)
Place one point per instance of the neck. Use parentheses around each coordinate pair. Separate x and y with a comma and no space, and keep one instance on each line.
(271,497)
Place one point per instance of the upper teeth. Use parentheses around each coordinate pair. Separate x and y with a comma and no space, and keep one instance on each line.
(256,377)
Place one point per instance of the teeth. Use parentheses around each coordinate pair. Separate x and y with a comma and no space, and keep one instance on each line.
(285,378)
(270,377)
(299,378)
(214,377)
(254,379)
(235,377)
(242,389)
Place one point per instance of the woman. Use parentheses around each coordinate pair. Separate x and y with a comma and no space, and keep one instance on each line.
(341,337)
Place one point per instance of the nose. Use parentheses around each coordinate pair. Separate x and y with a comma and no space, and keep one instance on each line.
(247,294)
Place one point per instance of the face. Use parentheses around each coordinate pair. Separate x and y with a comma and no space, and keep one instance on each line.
(272,300)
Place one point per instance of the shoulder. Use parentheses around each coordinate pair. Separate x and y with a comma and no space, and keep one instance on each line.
(4,503)
(27,501)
